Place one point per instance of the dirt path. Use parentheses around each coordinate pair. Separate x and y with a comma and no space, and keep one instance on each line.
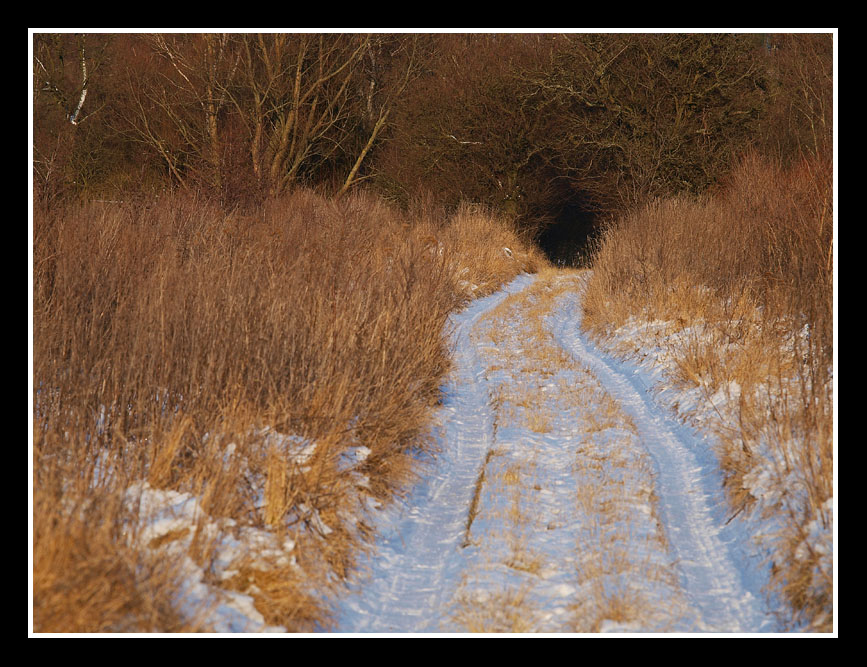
(714,581)
(563,500)
(419,557)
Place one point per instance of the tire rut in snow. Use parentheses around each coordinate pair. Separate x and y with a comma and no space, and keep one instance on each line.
(709,571)
(417,562)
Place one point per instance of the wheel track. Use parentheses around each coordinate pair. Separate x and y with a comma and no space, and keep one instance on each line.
(710,573)
(417,562)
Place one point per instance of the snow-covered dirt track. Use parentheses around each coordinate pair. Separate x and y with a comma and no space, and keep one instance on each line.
(418,558)
(720,588)
(563,498)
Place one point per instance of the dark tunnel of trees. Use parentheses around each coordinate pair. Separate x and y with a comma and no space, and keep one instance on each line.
(565,239)
(558,130)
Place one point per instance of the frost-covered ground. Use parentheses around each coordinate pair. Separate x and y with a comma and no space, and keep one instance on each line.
(499,532)
(419,572)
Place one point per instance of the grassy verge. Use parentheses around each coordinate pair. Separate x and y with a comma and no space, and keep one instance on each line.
(219,396)
(737,290)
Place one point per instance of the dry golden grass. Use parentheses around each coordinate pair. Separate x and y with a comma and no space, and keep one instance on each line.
(744,277)
(505,611)
(168,336)
(87,578)
(498,251)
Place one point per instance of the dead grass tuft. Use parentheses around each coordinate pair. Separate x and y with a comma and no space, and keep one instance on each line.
(276,364)
(744,281)
(87,578)
(506,611)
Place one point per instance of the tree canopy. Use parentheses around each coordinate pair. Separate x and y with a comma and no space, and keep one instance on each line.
(526,123)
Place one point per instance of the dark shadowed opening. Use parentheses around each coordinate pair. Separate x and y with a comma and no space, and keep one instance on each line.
(565,239)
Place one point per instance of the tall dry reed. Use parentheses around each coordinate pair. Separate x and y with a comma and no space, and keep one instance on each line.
(749,270)
(200,350)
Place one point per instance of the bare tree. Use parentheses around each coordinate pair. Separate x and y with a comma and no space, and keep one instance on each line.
(52,74)
(801,72)
(464,129)
(299,104)
(293,95)
(63,69)
(176,109)
(635,116)
(384,88)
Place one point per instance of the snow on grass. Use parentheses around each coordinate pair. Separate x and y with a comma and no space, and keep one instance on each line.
(548,507)
(713,409)
(170,520)
(712,384)
(174,524)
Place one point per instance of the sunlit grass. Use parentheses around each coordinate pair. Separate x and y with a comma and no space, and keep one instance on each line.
(735,291)
(274,365)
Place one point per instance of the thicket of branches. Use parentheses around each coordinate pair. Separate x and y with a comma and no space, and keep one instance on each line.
(526,123)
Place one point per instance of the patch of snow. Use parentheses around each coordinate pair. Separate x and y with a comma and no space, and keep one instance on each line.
(176,516)
(420,561)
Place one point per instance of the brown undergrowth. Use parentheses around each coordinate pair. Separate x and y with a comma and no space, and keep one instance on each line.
(273,369)
(738,289)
